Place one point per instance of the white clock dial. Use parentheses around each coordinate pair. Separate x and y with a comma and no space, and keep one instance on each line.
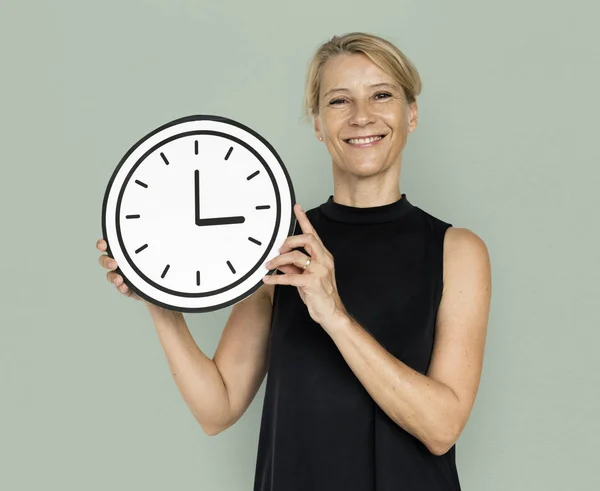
(194,211)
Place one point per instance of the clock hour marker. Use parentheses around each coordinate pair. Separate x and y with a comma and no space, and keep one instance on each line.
(263,207)
(141,248)
(144,185)
(198,278)
(229,153)
(165,271)
(253,175)
(231,267)
(251,239)
(132,216)
(196,147)
(164,158)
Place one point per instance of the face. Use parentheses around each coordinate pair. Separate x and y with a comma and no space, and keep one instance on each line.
(363,117)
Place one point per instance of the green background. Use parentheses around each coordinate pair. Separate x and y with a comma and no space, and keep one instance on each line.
(507,146)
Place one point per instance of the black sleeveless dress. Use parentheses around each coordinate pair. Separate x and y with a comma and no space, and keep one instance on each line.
(320,428)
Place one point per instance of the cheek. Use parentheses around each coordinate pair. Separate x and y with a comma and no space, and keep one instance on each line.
(331,125)
(393,115)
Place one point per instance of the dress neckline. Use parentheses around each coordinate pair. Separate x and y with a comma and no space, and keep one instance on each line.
(371,214)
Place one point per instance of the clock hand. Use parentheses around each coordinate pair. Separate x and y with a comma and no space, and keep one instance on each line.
(219,221)
(197,195)
(210,221)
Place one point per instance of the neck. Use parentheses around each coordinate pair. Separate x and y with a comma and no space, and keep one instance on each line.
(362,192)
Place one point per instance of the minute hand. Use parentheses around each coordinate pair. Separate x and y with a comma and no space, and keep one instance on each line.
(219,221)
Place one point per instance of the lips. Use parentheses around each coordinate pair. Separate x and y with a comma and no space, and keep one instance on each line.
(362,140)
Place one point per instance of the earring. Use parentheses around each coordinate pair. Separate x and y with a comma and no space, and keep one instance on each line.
(321,138)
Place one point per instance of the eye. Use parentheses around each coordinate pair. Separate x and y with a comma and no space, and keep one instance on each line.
(337,101)
(382,95)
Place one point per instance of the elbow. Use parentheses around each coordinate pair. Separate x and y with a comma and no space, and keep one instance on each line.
(211,430)
(439,448)
(217,424)
(440,443)
(215,429)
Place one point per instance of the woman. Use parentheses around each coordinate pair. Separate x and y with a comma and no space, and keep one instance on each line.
(373,331)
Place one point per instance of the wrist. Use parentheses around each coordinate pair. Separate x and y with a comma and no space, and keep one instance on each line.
(338,321)
(161,314)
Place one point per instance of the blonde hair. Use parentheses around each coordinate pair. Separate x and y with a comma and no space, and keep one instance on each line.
(380,51)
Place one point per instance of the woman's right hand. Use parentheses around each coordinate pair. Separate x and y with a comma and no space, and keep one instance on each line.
(112,277)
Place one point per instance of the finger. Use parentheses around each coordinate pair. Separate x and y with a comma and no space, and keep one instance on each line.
(295,258)
(304,222)
(131,294)
(101,245)
(286,279)
(108,262)
(289,269)
(128,292)
(114,278)
(307,241)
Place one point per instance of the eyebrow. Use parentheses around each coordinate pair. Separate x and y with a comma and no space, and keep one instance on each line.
(382,84)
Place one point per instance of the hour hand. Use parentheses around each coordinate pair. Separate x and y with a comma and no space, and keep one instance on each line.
(201,222)
(219,221)
(197,194)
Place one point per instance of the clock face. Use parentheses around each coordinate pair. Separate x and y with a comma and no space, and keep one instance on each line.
(193,212)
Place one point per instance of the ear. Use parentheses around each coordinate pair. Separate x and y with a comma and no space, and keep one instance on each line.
(317,127)
(413,115)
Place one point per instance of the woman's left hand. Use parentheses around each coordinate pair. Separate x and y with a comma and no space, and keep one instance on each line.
(314,276)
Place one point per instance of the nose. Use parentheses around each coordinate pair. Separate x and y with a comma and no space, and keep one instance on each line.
(361,113)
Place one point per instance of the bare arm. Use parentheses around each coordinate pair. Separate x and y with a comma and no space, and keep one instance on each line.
(433,407)
(218,391)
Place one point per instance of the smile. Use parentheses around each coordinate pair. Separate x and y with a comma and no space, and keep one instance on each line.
(364,141)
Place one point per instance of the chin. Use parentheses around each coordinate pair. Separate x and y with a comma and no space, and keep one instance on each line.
(366,169)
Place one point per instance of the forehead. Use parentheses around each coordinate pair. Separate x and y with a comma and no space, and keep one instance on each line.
(352,71)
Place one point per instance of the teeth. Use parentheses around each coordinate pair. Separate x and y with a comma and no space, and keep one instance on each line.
(361,141)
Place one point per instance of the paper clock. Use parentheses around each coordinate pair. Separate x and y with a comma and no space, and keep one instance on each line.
(194,210)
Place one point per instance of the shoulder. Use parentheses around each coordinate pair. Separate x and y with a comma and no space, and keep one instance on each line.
(464,241)
(455,239)
(465,254)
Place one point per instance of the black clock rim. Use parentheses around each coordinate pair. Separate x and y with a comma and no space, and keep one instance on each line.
(184,119)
